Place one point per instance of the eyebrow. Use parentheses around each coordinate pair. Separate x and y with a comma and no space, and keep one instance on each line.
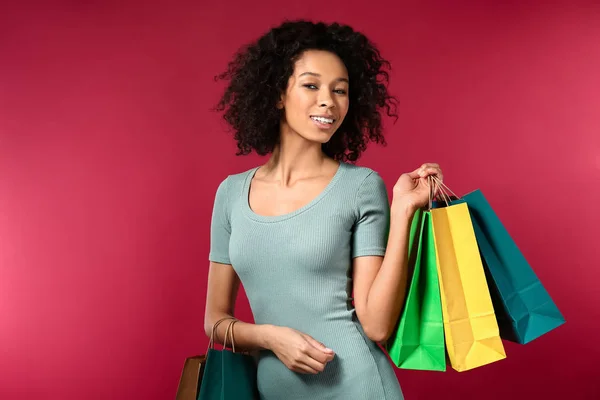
(318,76)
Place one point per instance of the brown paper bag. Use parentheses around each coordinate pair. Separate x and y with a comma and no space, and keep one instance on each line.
(191,378)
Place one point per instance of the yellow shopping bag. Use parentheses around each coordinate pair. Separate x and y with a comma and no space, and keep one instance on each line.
(470,325)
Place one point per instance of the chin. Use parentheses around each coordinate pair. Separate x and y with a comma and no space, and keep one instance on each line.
(319,136)
(322,139)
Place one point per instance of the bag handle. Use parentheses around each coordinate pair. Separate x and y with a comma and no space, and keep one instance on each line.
(432,190)
(435,190)
(211,342)
(445,188)
(437,187)
(229,333)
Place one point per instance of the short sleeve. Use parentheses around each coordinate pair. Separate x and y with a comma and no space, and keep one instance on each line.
(220,227)
(371,228)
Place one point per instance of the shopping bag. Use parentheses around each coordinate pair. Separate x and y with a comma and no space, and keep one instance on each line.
(524,309)
(191,378)
(228,375)
(418,341)
(470,325)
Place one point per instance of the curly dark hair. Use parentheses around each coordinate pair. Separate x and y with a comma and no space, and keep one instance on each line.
(259,73)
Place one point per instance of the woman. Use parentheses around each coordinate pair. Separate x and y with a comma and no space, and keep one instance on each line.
(320,251)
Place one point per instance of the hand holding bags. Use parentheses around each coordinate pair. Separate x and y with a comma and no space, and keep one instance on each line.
(488,290)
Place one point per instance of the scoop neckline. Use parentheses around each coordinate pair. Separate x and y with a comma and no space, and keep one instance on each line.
(275,218)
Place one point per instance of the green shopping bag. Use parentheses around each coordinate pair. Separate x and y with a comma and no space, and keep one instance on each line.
(228,375)
(418,341)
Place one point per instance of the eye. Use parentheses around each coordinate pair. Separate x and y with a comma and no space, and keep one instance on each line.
(310,86)
(340,91)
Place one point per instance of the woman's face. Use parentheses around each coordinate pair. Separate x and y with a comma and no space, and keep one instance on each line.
(316,99)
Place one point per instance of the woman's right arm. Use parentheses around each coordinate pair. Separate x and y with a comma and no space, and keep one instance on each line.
(298,351)
(223,285)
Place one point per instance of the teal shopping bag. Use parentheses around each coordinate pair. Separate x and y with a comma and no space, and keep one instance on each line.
(228,375)
(523,307)
(418,341)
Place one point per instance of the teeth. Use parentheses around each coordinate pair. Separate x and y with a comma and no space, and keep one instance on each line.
(323,120)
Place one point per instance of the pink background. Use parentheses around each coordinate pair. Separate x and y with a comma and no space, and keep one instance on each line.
(110,157)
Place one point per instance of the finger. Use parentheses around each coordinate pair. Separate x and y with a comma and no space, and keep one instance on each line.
(317,355)
(425,172)
(435,172)
(304,369)
(415,174)
(317,345)
(430,165)
(313,364)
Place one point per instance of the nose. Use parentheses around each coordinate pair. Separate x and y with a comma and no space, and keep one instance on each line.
(325,99)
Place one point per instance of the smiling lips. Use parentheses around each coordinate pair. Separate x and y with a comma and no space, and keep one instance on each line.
(322,122)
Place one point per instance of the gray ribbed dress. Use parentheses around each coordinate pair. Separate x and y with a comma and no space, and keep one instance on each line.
(296,270)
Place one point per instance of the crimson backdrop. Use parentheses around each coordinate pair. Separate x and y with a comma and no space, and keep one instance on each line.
(109,159)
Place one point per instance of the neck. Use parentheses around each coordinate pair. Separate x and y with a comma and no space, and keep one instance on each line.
(295,158)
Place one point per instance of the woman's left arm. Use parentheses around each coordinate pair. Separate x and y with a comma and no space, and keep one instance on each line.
(380,283)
